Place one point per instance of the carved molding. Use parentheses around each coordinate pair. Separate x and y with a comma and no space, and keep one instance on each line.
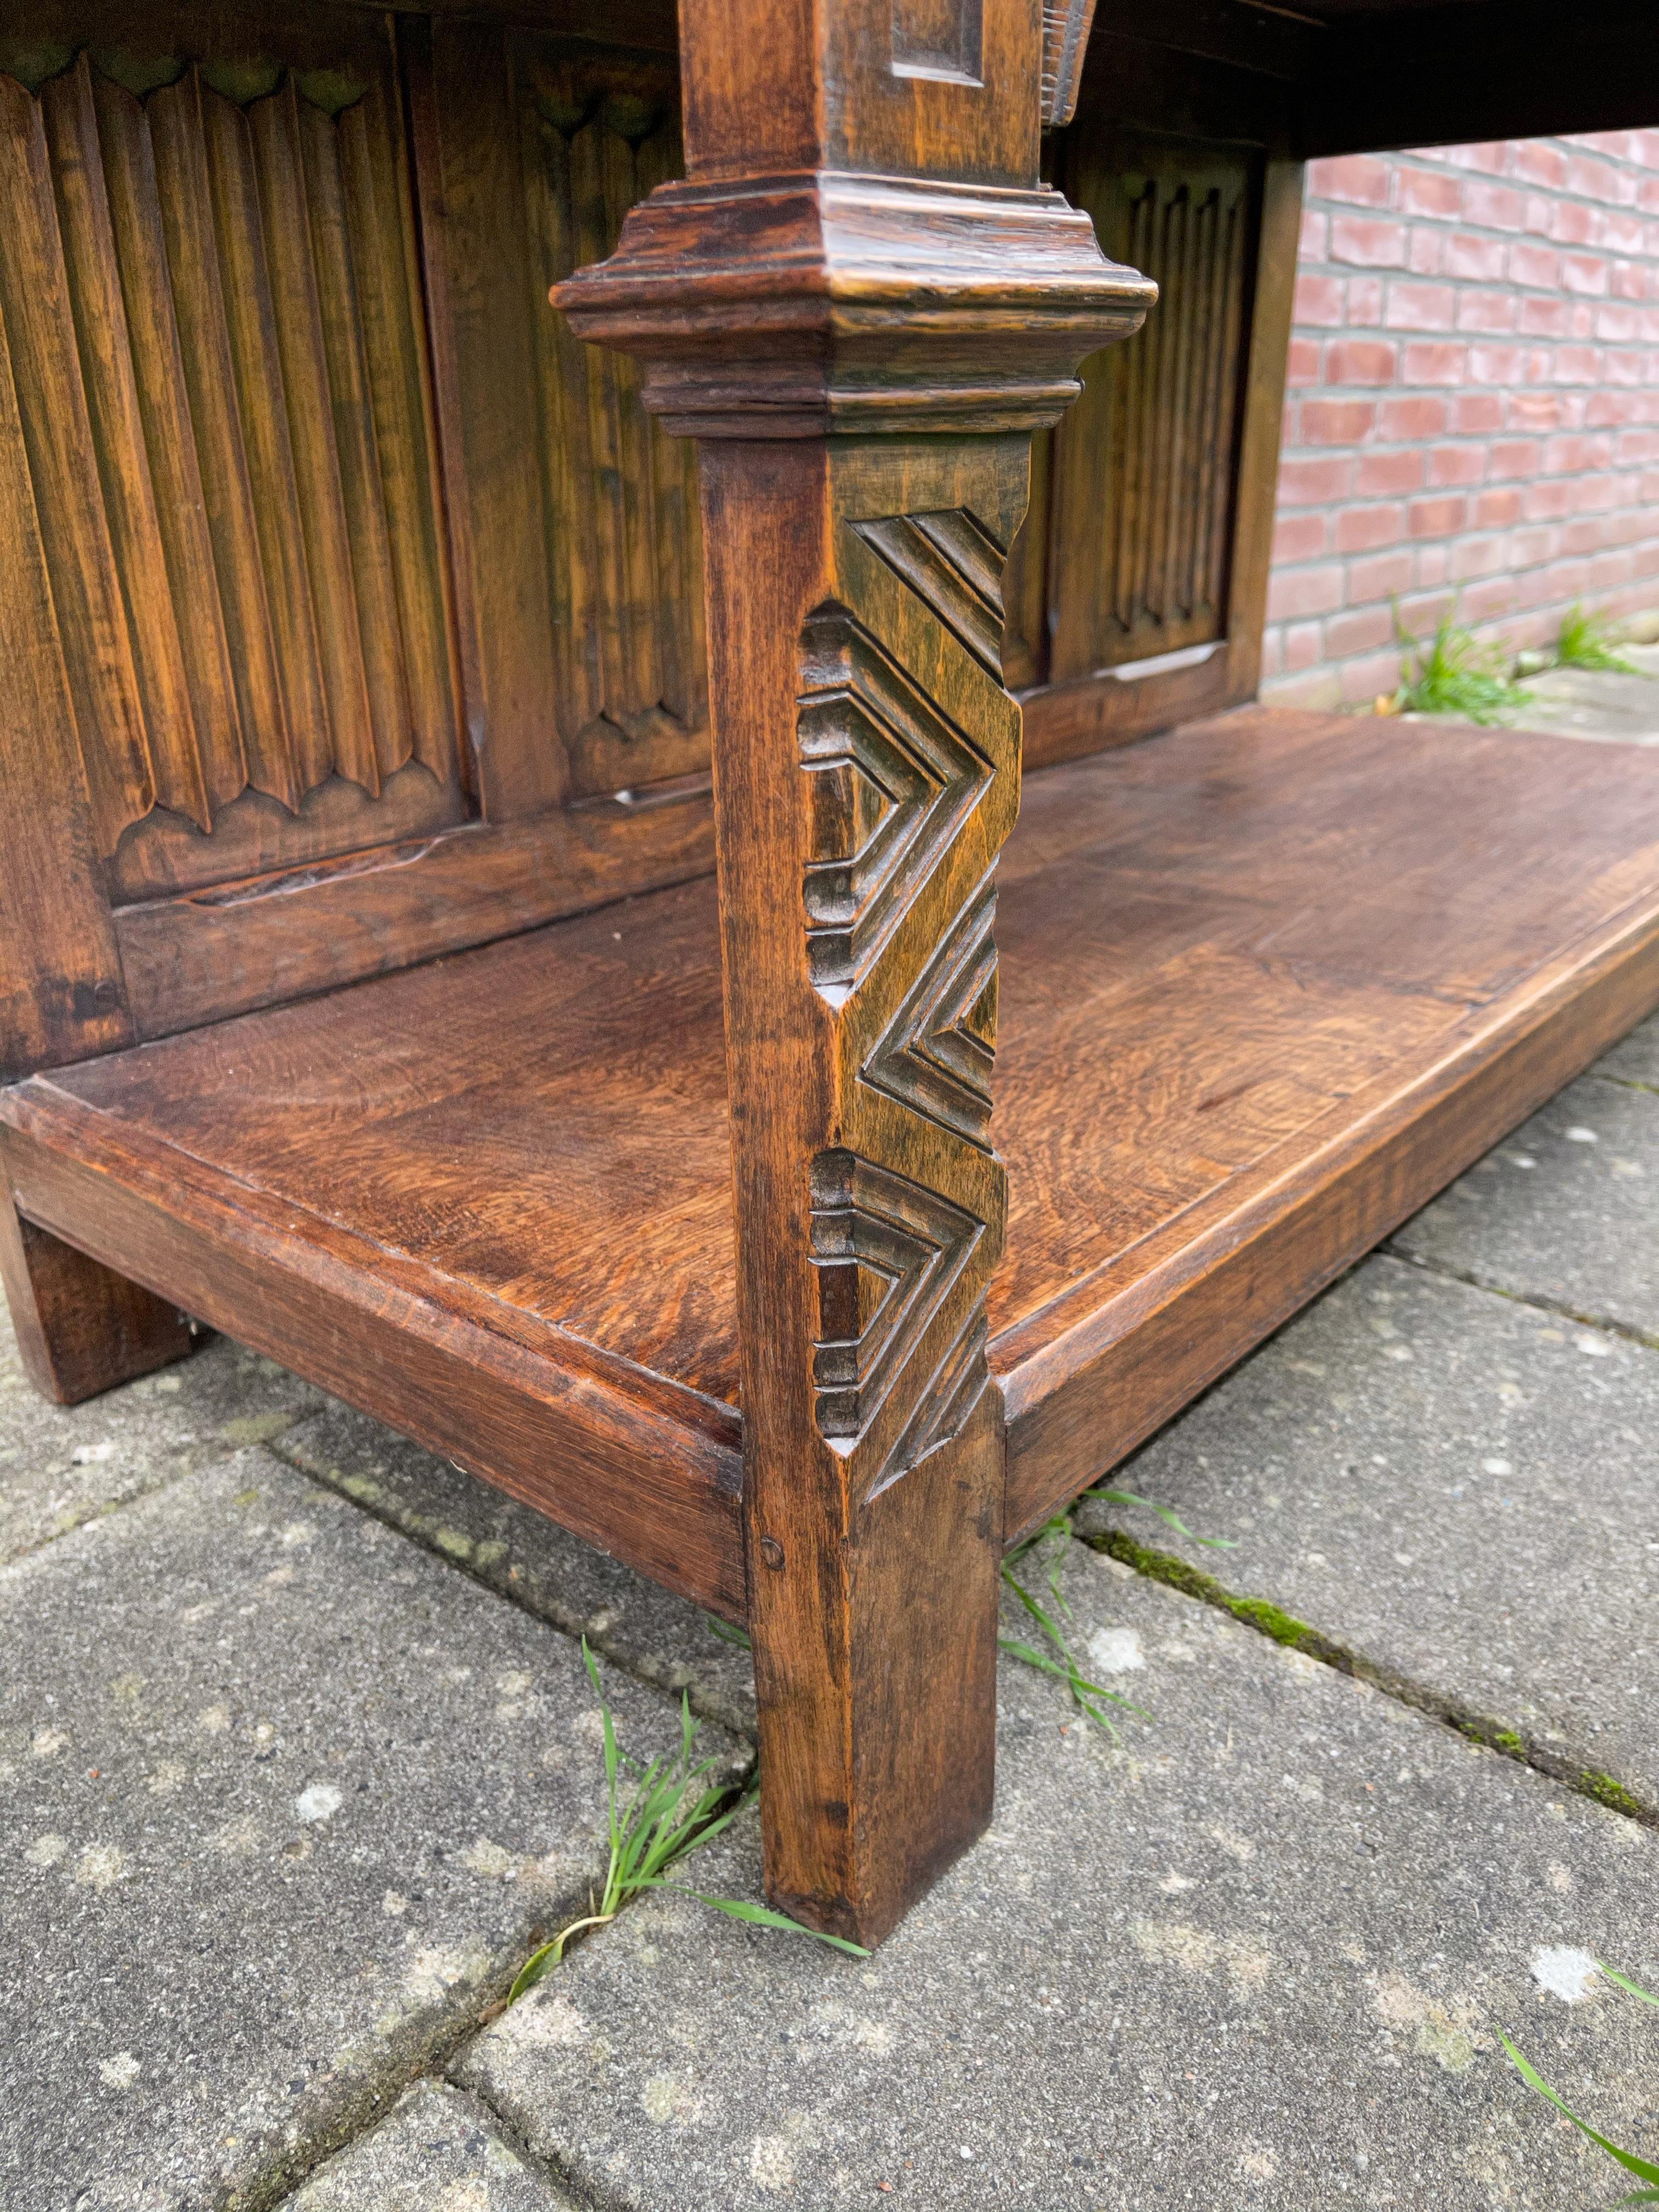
(894,781)
(788,307)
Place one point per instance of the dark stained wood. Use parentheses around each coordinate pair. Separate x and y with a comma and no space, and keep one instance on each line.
(907,275)
(1144,464)
(82,1328)
(1267,982)
(204,956)
(633,1464)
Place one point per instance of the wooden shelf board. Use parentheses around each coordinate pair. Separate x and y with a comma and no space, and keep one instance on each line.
(1267,982)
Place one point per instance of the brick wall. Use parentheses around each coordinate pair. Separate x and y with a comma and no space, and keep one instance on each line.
(1474,402)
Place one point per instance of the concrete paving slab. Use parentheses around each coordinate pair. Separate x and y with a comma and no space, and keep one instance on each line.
(438,2152)
(1635,1059)
(62,1465)
(285,1803)
(1255,1960)
(655,1635)
(1456,1487)
(1598,703)
(1566,1210)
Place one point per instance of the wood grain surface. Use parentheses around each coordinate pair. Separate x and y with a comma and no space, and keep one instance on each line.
(1265,984)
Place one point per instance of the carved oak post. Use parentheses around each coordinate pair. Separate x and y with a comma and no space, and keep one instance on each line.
(861,304)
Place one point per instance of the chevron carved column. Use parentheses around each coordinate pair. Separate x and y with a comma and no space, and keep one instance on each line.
(862,350)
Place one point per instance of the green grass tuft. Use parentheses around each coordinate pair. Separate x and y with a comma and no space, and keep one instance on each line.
(1058,1659)
(1585,643)
(1644,2169)
(1455,674)
(673,1810)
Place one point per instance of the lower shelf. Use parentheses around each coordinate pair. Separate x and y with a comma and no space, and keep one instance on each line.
(1268,982)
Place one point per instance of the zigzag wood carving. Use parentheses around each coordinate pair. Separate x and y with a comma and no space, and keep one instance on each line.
(894,781)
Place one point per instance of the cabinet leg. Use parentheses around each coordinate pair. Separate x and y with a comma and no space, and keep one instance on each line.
(81,1328)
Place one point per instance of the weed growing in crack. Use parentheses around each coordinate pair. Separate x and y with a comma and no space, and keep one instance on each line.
(1644,2169)
(1057,1658)
(1454,674)
(1585,643)
(673,1809)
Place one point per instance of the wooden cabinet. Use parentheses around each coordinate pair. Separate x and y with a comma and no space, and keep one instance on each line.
(515,895)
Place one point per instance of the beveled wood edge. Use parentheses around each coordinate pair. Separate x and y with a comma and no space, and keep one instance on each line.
(205,956)
(1095,714)
(1078,1404)
(628,1460)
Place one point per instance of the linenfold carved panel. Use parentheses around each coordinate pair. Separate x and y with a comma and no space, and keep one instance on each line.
(1144,467)
(209,300)
(619,496)
(900,907)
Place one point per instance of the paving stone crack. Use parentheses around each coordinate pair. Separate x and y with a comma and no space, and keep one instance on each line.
(1472,1279)
(1271,1620)
(615,1651)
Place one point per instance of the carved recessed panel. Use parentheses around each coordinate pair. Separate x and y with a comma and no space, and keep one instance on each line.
(207,295)
(951,561)
(887,1253)
(892,781)
(936,1055)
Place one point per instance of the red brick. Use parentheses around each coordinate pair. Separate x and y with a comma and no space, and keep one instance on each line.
(1496,364)
(1299,536)
(1361,361)
(1336,421)
(1305,645)
(1488,313)
(1494,207)
(1363,529)
(1367,243)
(1515,456)
(1365,679)
(1590,178)
(1623,231)
(1539,266)
(1620,325)
(1530,548)
(1305,481)
(1543,318)
(1456,464)
(1425,251)
(1548,502)
(1303,366)
(1293,592)
(1433,566)
(1481,259)
(1425,362)
(1381,576)
(1478,557)
(1482,601)
(1315,233)
(1359,177)
(1538,162)
(1438,518)
(1585,274)
(1575,364)
(1319,300)
(1364,303)
(1494,510)
(1491,154)
(1359,631)
(1533,411)
(1576,224)
(1429,192)
(1477,414)
(1419,417)
(1572,455)
(1421,306)
(1386,475)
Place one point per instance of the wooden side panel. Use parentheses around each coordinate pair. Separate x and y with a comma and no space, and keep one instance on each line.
(574,516)
(81,1328)
(206,285)
(1146,464)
